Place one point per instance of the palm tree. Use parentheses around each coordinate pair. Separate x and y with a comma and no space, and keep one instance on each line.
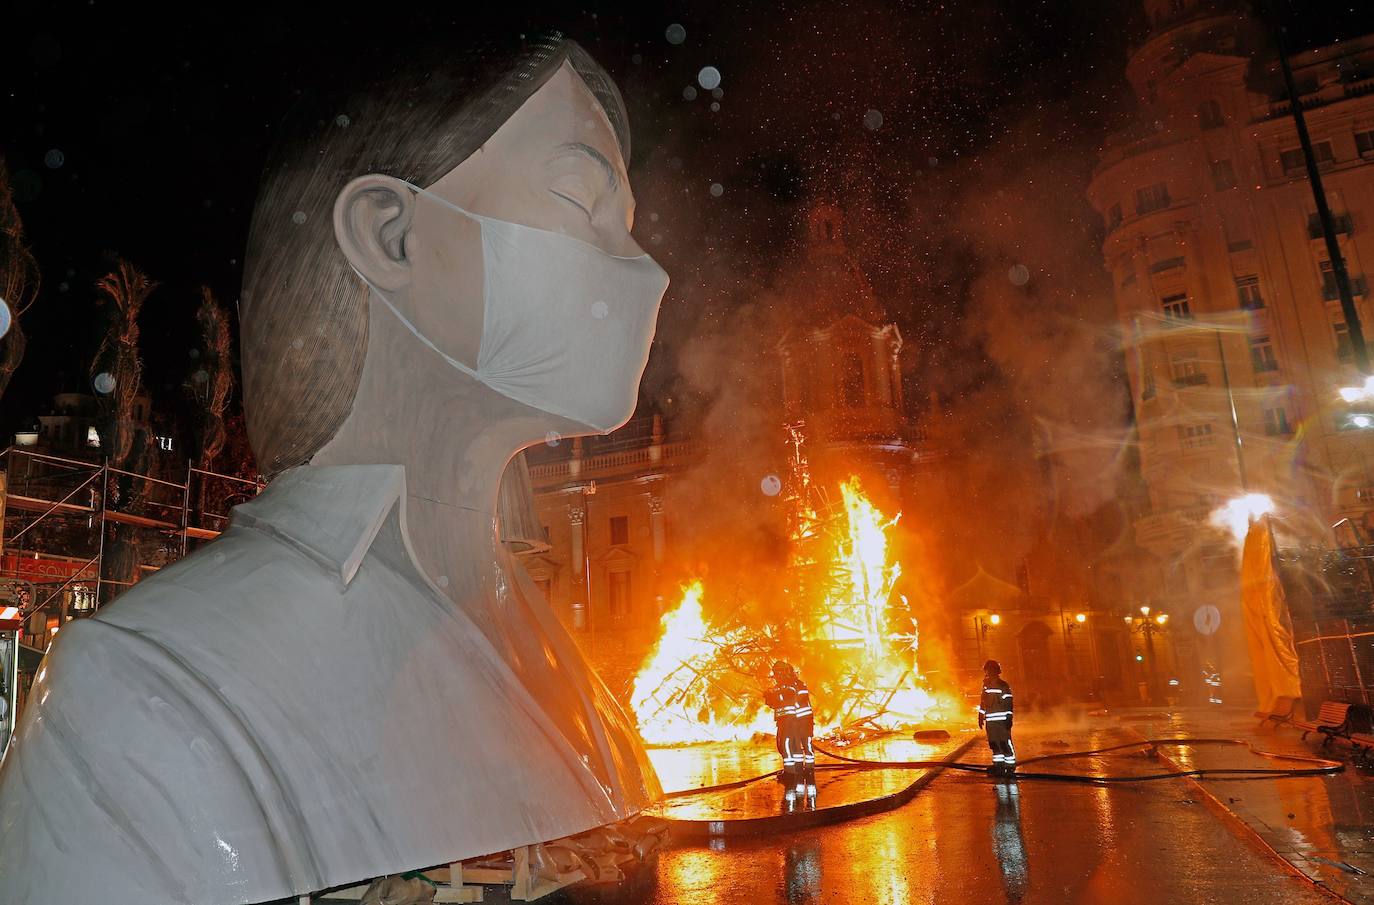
(214,382)
(126,288)
(19,280)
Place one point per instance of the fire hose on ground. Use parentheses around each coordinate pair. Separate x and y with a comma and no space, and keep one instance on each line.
(1318,766)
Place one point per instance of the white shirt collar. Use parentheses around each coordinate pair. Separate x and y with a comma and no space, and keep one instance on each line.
(330,513)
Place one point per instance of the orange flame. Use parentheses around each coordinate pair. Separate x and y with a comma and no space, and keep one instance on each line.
(678,698)
(673,699)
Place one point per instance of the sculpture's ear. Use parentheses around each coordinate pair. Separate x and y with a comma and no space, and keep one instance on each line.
(371,217)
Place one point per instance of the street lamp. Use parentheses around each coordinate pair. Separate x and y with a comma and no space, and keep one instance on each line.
(983,623)
(1148,627)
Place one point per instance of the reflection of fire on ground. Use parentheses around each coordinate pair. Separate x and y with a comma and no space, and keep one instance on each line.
(855,642)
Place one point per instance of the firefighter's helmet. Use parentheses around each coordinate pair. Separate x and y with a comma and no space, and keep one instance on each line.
(992,668)
(782,669)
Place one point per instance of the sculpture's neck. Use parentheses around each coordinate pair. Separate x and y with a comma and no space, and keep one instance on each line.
(453,435)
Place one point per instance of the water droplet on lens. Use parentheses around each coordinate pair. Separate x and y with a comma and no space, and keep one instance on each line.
(5,317)
(709,77)
(675,34)
(770,485)
(715,106)
(689,93)
(873,119)
(298,217)
(54,159)
(717,190)
(342,120)
(552,438)
(600,310)
(1019,274)
(104,383)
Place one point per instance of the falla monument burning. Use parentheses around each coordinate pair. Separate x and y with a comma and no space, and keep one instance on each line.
(855,640)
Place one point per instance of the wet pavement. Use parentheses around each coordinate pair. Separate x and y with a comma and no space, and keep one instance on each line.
(1322,825)
(746,808)
(968,838)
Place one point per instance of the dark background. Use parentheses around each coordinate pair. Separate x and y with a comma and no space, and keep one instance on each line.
(142,131)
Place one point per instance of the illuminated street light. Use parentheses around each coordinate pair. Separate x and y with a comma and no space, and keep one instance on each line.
(1162,618)
(995,619)
(1081,618)
(1360,393)
(1144,611)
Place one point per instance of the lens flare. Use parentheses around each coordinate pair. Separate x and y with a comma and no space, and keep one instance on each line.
(1237,514)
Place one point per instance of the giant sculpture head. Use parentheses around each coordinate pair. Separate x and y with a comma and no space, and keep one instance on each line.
(484,200)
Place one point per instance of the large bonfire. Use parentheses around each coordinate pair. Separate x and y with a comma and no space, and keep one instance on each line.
(855,640)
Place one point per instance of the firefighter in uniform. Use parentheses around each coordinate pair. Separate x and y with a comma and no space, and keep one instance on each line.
(791,703)
(994,715)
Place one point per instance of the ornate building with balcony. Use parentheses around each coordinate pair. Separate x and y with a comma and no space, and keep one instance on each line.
(1236,344)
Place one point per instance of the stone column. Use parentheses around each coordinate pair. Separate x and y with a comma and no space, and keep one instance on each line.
(656,525)
(658,530)
(577,516)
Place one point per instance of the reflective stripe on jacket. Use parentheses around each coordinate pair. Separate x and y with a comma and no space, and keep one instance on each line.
(995,702)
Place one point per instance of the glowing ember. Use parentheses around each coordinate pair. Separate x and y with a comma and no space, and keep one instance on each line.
(1237,514)
(859,650)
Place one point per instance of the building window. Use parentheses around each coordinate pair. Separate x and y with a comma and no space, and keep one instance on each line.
(620,529)
(1276,422)
(1329,290)
(1114,216)
(1192,436)
(164,444)
(1262,354)
(1344,349)
(1293,161)
(1153,198)
(1147,387)
(851,380)
(92,436)
(618,588)
(1340,224)
(1187,372)
(1176,307)
(1248,289)
(1209,115)
(1364,143)
(1223,175)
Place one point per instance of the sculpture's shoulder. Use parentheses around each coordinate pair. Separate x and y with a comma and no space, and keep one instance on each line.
(241,570)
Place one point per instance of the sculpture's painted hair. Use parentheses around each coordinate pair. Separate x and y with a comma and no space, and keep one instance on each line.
(303,311)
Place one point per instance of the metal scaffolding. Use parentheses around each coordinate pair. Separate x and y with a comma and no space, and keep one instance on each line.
(77,533)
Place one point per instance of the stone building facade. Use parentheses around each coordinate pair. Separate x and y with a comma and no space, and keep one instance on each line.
(1236,344)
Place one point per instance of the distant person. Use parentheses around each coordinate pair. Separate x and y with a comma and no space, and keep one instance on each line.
(1211,677)
(994,716)
(791,703)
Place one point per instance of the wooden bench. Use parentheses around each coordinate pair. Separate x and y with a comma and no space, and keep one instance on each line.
(1333,721)
(1285,709)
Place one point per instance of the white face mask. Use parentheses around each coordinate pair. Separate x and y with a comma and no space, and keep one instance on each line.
(566,327)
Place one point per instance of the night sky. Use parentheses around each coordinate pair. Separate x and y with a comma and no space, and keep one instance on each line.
(142,133)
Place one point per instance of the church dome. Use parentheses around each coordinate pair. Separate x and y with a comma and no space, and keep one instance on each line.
(826,284)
